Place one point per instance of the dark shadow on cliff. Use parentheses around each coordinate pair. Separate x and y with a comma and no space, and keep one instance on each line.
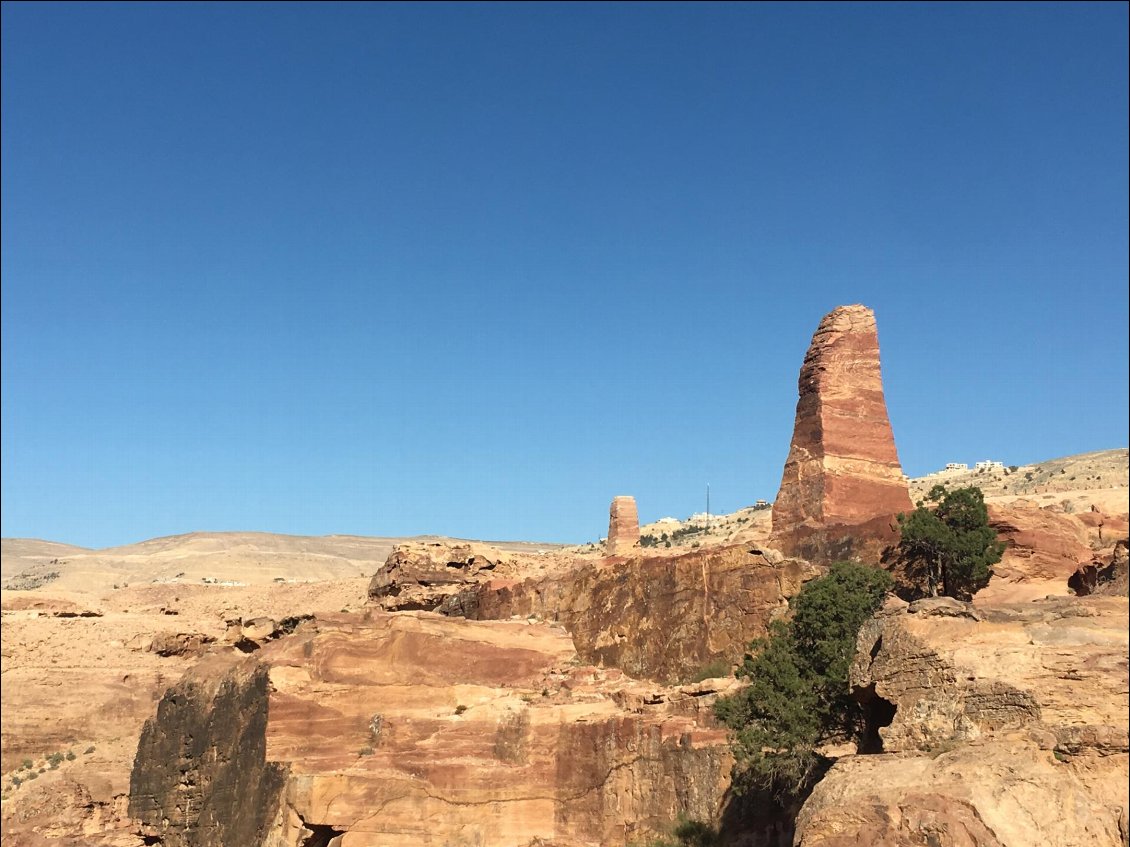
(759,817)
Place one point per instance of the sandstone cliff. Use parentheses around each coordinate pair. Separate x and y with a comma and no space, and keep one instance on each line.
(842,484)
(655,617)
(400,730)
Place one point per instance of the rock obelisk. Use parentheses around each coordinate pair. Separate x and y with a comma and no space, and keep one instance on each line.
(842,484)
(623,526)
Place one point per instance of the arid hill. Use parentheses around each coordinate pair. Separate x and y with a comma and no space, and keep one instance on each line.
(246,558)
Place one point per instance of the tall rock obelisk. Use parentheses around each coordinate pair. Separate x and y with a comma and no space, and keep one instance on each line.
(842,485)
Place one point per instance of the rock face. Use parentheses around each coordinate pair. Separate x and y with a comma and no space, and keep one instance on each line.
(998,726)
(200,776)
(654,617)
(623,526)
(1044,548)
(408,729)
(842,484)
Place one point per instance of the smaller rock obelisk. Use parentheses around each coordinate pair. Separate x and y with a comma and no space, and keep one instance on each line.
(623,526)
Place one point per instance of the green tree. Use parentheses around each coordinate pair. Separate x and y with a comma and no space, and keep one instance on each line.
(798,681)
(950,545)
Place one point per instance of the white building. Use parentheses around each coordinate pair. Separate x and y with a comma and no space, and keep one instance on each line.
(989,466)
(954,467)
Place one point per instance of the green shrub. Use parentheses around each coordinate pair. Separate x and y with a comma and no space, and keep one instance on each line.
(950,546)
(798,682)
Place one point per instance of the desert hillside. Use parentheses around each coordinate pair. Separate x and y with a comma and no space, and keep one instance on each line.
(246,558)
(1076,483)
(1101,478)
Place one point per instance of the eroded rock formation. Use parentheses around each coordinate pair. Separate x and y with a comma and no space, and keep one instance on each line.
(623,526)
(421,576)
(999,726)
(655,617)
(842,484)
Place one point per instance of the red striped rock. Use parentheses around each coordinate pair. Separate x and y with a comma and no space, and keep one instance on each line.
(842,484)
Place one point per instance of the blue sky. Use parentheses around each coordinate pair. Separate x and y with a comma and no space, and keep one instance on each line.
(475,269)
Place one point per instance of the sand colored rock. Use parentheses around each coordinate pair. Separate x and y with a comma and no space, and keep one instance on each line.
(85,685)
(623,526)
(842,484)
(407,729)
(1044,548)
(655,617)
(1005,726)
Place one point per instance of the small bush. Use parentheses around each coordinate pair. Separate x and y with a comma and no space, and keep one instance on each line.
(365,751)
(88,750)
(460,709)
(711,670)
(71,755)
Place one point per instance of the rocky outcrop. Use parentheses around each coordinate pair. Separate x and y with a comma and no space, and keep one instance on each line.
(1044,547)
(422,576)
(200,777)
(998,726)
(655,617)
(1111,577)
(842,484)
(623,526)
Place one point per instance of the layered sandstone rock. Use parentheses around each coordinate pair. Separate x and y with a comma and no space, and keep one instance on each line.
(655,617)
(623,526)
(407,729)
(1043,549)
(842,484)
(999,726)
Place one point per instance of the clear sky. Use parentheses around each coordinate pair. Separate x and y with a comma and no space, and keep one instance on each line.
(475,269)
